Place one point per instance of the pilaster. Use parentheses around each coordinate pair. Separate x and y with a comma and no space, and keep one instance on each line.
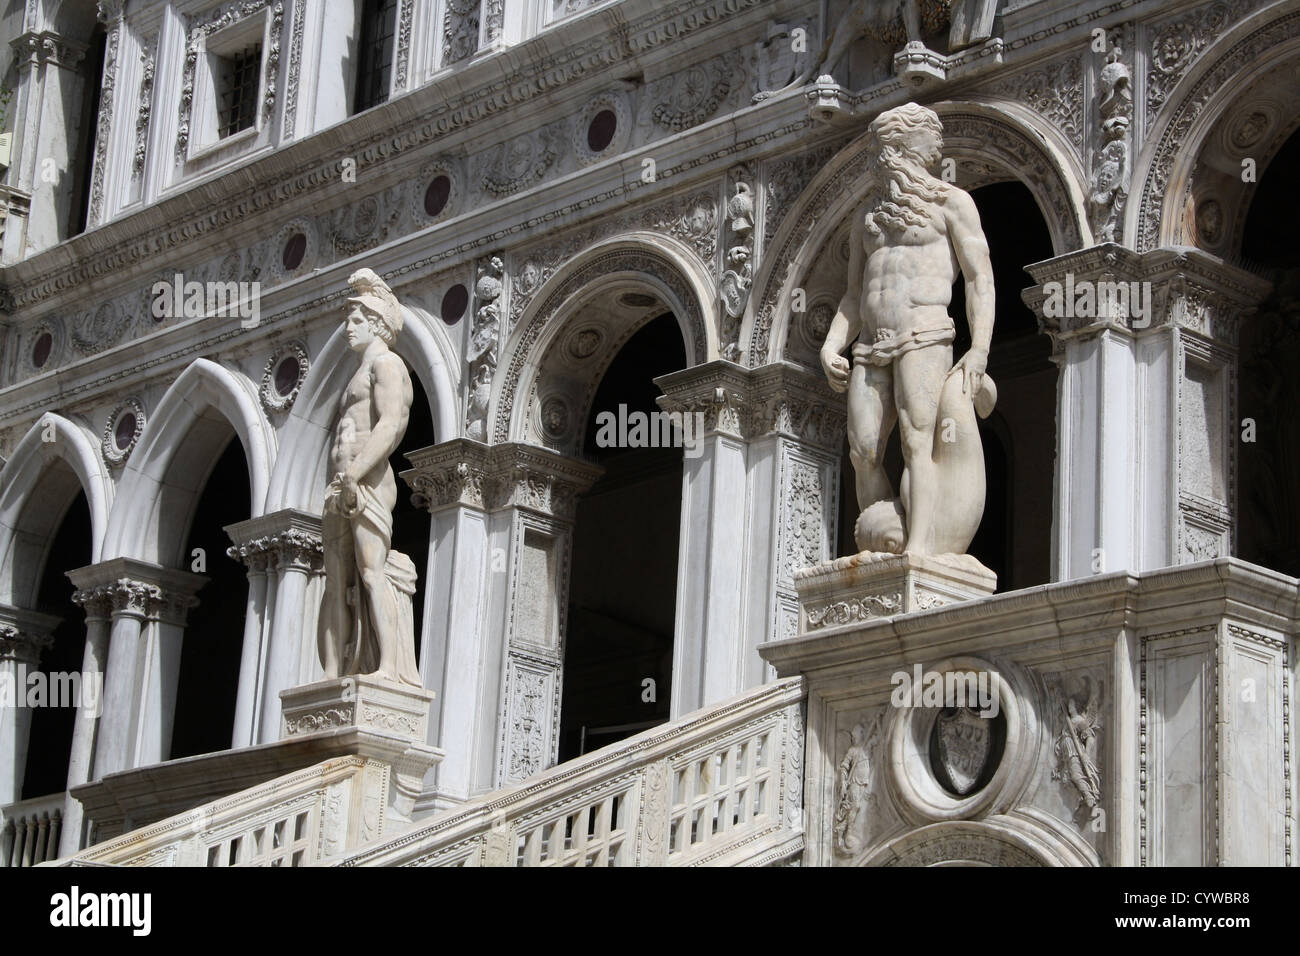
(758,503)
(1147,428)
(502,515)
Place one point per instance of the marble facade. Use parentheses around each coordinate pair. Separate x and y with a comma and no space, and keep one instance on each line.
(544,179)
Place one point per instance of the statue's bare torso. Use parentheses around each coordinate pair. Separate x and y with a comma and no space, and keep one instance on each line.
(907,280)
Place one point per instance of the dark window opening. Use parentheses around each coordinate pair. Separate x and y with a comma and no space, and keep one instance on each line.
(375,53)
(237,84)
(85,159)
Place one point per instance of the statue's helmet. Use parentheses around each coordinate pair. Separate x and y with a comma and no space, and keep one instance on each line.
(377,301)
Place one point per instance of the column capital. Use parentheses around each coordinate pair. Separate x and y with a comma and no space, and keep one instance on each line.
(49,47)
(25,634)
(781,398)
(288,539)
(491,477)
(139,589)
(1112,288)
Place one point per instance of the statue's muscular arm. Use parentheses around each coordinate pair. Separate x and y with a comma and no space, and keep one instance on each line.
(391,401)
(847,324)
(972,251)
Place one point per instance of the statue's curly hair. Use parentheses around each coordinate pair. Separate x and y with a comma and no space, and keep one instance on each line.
(904,186)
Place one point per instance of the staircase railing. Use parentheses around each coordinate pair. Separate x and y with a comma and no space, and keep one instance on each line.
(721,786)
(30,830)
(300,819)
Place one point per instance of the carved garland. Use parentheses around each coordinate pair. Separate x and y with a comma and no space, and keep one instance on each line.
(620,260)
(295,68)
(104,123)
(148,56)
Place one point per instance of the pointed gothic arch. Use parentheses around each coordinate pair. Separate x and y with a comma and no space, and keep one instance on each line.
(158,489)
(31,504)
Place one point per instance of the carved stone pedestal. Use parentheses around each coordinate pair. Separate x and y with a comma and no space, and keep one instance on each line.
(371,718)
(871,585)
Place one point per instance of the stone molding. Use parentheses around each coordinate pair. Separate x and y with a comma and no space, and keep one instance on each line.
(287,540)
(133,588)
(462,472)
(782,399)
(25,634)
(1192,291)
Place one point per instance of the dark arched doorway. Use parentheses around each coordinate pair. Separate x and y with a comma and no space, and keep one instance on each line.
(623,584)
(208,680)
(1268,530)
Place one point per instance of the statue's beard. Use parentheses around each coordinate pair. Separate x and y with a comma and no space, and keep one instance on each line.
(905,193)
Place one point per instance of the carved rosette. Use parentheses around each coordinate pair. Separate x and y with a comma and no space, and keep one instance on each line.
(116,448)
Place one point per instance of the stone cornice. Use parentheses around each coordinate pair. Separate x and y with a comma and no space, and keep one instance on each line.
(1094,609)
(567,57)
(782,399)
(462,472)
(1191,290)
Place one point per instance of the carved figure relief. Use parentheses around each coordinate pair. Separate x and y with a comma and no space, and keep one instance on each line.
(853,785)
(1075,750)
(739,276)
(1109,186)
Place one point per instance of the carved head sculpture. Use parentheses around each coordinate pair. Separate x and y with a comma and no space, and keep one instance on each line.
(376,303)
(904,145)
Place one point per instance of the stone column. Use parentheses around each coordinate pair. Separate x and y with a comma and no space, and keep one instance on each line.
(495,604)
(98,606)
(50,99)
(149,607)
(1146,404)
(255,555)
(23,636)
(283,552)
(758,503)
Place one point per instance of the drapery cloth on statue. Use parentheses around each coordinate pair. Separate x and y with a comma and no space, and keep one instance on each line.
(890,344)
(361,656)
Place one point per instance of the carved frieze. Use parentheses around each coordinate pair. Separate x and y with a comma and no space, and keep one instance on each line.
(1054,91)
(693,95)
(104,121)
(460,30)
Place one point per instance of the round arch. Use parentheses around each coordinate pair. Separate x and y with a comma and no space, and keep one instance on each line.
(1223,72)
(1006,840)
(661,264)
(204,389)
(27,496)
(1002,135)
(298,481)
